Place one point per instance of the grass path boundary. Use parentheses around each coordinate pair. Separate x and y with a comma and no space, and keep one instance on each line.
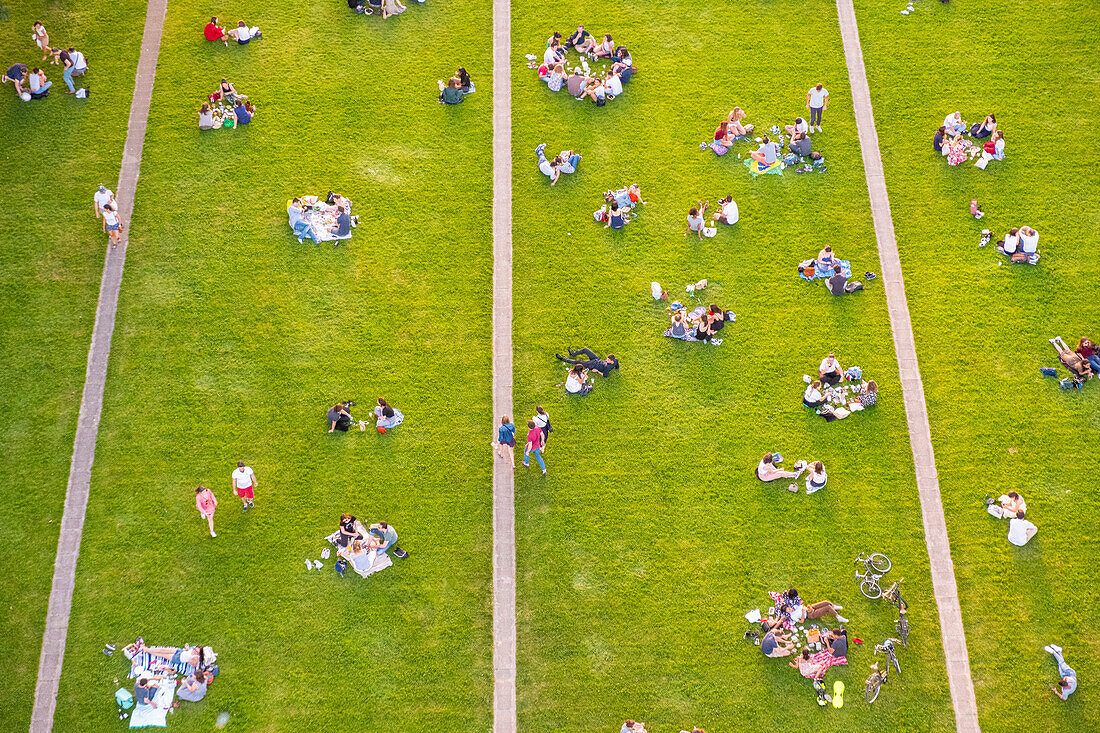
(91,402)
(916,411)
(504,515)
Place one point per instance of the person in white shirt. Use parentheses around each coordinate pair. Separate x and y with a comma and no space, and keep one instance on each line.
(812,397)
(1011,504)
(80,64)
(830,370)
(545,166)
(553,55)
(112,224)
(817,101)
(954,123)
(800,125)
(1020,530)
(38,83)
(817,478)
(576,381)
(1029,240)
(244,483)
(766,470)
(727,210)
(102,197)
(614,84)
(243,33)
(1011,241)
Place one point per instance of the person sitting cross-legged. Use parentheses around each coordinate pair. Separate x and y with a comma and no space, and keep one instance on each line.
(830,371)
(766,470)
(775,643)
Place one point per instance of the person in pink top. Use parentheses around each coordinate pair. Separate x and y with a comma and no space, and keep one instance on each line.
(534,446)
(206,503)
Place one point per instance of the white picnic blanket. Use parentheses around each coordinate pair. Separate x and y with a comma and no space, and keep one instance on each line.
(147,716)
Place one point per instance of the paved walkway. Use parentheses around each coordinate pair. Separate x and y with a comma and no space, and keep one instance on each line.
(504,529)
(91,404)
(928,486)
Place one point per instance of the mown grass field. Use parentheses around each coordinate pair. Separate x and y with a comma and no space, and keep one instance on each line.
(57,150)
(982,329)
(649,539)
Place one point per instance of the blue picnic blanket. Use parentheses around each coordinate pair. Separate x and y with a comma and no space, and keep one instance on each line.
(824,273)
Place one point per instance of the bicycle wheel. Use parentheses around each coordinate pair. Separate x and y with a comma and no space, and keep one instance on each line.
(897,664)
(903,631)
(871,589)
(870,692)
(880,562)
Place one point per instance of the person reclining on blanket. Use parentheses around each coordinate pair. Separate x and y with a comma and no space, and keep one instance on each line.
(1087,350)
(830,370)
(1010,504)
(196,657)
(603,366)
(361,554)
(1071,359)
(766,470)
(386,416)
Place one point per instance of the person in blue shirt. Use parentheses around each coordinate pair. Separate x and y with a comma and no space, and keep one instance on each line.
(506,438)
(243,112)
(298,222)
(1067,683)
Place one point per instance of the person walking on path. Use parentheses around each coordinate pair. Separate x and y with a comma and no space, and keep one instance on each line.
(506,438)
(244,483)
(534,446)
(817,101)
(206,503)
(102,198)
(112,224)
(1067,682)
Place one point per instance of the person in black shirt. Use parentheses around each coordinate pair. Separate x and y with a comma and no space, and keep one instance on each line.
(839,285)
(339,417)
(603,366)
(581,40)
(937,140)
(349,530)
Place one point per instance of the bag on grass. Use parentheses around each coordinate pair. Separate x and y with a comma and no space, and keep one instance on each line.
(981,162)
(399,553)
(124,698)
(83,93)
(341,565)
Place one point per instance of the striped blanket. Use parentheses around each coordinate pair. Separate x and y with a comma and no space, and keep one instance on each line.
(150,663)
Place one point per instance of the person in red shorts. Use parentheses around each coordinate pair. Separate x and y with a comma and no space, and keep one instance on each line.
(214,32)
(244,483)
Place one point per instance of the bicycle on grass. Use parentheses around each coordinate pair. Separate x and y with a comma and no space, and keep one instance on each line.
(880,677)
(893,595)
(874,567)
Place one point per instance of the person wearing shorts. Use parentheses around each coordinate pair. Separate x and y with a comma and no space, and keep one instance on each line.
(244,483)
(775,644)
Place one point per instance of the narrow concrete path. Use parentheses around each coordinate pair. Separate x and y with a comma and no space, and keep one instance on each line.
(504,529)
(916,412)
(91,403)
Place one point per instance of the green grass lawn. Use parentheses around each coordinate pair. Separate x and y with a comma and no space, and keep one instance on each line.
(982,329)
(233,339)
(56,152)
(650,538)
(640,552)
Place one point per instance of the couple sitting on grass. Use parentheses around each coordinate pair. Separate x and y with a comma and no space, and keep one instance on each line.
(364,549)
(701,324)
(768,470)
(242,34)
(1011,506)
(564,162)
(1021,244)
(1082,362)
(456,88)
(618,210)
(385,416)
(729,131)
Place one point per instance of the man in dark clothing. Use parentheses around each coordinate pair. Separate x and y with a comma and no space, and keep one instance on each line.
(839,285)
(603,366)
(339,417)
(342,230)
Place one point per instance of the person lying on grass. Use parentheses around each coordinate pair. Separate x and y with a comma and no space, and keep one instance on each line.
(800,611)
(196,657)
(696,219)
(576,381)
(766,470)
(1073,361)
(594,362)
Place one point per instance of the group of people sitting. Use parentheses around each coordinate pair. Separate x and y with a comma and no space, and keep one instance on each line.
(385,8)
(242,34)
(364,549)
(576,378)
(831,399)
(151,666)
(225,108)
(328,220)
(789,610)
(582,82)
(727,213)
(1083,362)
(1021,245)
(386,417)
(949,141)
(768,470)
(618,210)
(701,324)
(455,89)
(1011,506)
(834,271)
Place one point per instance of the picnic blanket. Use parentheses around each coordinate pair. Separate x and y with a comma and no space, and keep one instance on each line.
(381,562)
(320,222)
(759,169)
(826,272)
(147,716)
(150,663)
(825,658)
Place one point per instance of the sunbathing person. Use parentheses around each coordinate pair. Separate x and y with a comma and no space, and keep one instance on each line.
(800,611)
(766,470)
(830,370)
(195,657)
(812,397)
(603,366)
(1073,361)
(576,381)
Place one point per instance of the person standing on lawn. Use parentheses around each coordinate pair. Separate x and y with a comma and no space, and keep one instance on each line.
(817,101)
(206,503)
(542,421)
(244,483)
(534,446)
